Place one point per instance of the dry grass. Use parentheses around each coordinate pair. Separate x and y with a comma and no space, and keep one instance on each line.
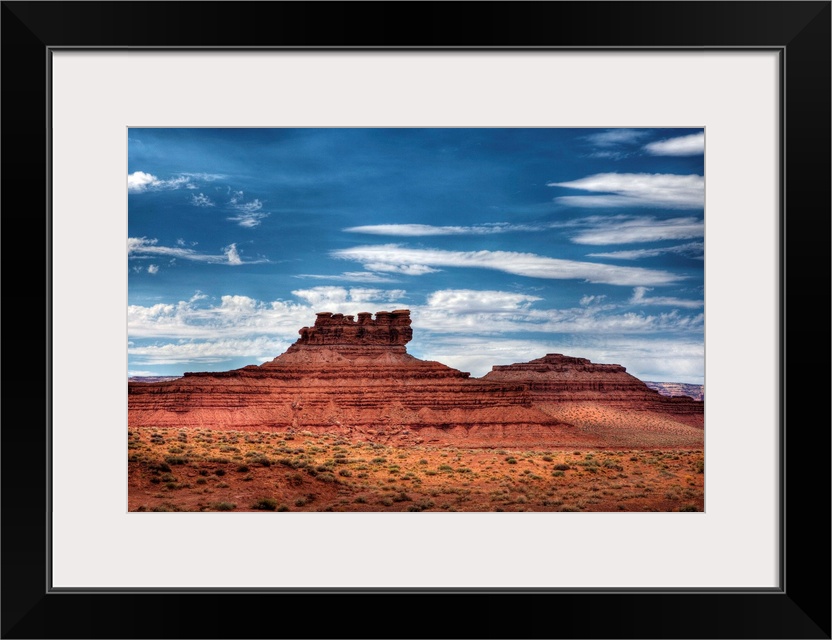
(204,470)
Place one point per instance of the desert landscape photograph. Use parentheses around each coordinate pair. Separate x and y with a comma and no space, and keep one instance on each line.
(415,319)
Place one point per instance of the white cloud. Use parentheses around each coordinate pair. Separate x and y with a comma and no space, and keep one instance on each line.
(349,276)
(691,145)
(614,144)
(375,295)
(474,301)
(342,300)
(392,257)
(637,189)
(640,298)
(624,230)
(249,220)
(404,269)
(140,373)
(588,300)
(208,351)
(153,269)
(143,247)
(690,249)
(207,177)
(201,200)
(232,254)
(254,205)
(615,137)
(249,214)
(140,182)
(468,329)
(670,360)
(421,230)
(242,317)
(234,317)
(590,319)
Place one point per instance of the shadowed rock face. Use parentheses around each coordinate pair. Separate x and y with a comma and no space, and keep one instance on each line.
(353,375)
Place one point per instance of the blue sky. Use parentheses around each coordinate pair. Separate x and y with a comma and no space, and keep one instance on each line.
(506,244)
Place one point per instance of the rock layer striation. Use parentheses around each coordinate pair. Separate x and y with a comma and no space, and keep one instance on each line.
(353,375)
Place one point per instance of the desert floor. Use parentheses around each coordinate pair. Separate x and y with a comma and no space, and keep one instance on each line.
(207,470)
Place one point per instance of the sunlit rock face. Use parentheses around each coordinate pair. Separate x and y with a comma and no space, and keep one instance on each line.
(352,375)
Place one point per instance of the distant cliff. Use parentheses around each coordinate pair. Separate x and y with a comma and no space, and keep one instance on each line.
(679,389)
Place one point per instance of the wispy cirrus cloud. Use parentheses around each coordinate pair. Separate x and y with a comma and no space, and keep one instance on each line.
(627,230)
(399,259)
(139,182)
(469,301)
(495,312)
(142,181)
(690,249)
(207,351)
(144,247)
(636,189)
(337,297)
(248,214)
(691,145)
(614,144)
(615,137)
(421,230)
(201,200)
(640,297)
(349,276)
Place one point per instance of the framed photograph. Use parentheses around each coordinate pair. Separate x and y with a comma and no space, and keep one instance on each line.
(158,124)
(283,384)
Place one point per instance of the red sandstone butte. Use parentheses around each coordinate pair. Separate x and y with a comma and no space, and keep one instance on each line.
(352,375)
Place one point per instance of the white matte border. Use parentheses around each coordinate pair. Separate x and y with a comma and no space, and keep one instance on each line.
(97,95)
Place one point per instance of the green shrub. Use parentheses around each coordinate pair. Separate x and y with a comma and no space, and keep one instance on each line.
(265,504)
(224,506)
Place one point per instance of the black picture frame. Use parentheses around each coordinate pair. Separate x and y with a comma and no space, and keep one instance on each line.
(799,608)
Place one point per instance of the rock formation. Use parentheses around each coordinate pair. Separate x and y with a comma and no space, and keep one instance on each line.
(353,375)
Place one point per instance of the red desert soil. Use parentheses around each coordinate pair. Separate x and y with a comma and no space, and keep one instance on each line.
(205,470)
(347,420)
